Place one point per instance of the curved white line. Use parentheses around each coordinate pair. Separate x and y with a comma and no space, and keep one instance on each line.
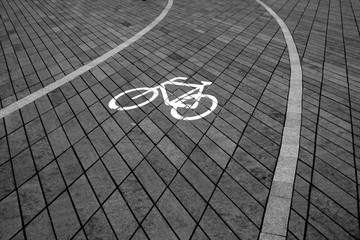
(41,92)
(279,202)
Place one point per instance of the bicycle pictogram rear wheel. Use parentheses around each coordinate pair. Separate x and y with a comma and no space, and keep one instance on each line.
(113,104)
(214,103)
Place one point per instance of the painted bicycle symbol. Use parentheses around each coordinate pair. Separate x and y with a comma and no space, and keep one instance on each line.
(194,96)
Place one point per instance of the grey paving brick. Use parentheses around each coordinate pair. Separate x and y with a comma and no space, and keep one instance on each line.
(129,153)
(51,181)
(178,218)
(116,166)
(87,121)
(6,180)
(31,199)
(136,197)
(296,225)
(85,152)
(84,198)
(69,166)
(58,141)
(236,219)
(154,133)
(171,151)
(161,165)
(64,112)
(50,121)
(99,227)
(215,227)
(73,130)
(150,180)
(13,121)
(187,195)
(140,140)
(76,104)
(42,153)
(11,213)
(4,150)
(34,130)
(23,167)
(216,153)
(156,227)
(100,141)
(40,227)
(199,234)
(120,216)
(17,141)
(56,97)
(100,181)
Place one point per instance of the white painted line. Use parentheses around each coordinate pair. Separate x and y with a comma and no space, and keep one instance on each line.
(278,207)
(41,92)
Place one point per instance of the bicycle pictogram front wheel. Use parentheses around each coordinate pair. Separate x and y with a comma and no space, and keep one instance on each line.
(133,98)
(214,102)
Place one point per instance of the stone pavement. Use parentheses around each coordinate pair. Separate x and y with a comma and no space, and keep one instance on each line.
(72,168)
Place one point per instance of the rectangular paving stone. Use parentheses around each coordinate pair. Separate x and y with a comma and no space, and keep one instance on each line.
(10,218)
(120,216)
(51,181)
(170,150)
(58,141)
(31,199)
(339,196)
(100,141)
(84,198)
(176,215)
(13,121)
(325,225)
(4,150)
(63,217)
(85,152)
(112,130)
(216,153)
(40,227)
(69,166)
(99,227)
(140,140)
(50,121)
(156,227)
(77,104)
(236,219)
(129,152)
(17,141)
(116,166)
(214,227)
(73,130)
(136,197)
(87,121)
(34,130)
(6,180)
(154,133)
(42,153)
(150,180)
(100,180)
(161,165)
(23,167)
(64,112)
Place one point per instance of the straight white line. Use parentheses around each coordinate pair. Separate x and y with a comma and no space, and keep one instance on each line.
(41,92)
(279,202)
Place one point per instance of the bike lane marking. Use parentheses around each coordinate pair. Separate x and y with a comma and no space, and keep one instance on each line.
(175,104)
(71,76)
(278,206)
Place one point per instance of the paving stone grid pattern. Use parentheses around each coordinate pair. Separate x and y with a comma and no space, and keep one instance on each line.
(72,168)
